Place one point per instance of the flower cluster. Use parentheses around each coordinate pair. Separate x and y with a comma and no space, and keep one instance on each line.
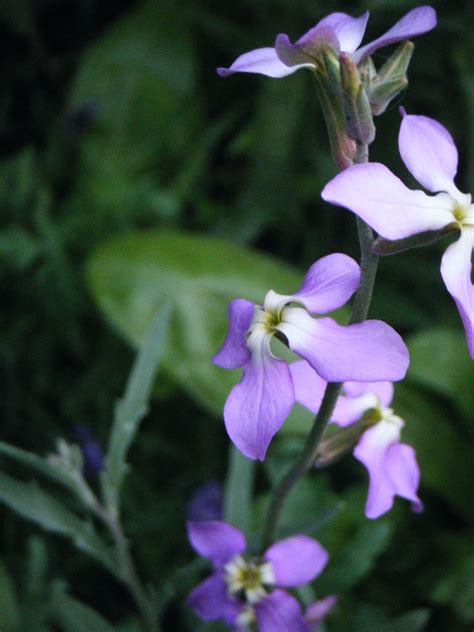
(242,591)
(363,359)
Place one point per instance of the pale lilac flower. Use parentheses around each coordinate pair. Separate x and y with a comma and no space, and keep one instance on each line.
(242,591)
(338,30)
(377,196)
(258,405)
(392,466)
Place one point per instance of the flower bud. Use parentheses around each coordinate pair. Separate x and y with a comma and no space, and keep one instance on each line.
(391,79)
(357,111)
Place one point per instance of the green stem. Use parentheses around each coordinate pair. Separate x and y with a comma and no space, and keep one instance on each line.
(360,308)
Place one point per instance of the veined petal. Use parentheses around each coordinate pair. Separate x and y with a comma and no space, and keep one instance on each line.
(210,600)
(456,270)
(216,540)
(296,560)
(263,61)
(429,152)
(291,54)
(280,611)
(415,22)
(234,352)
(328,284)
(349,31)
(258,405)
(367,352)
(381,199)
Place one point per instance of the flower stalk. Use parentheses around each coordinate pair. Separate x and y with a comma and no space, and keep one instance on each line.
(305,460)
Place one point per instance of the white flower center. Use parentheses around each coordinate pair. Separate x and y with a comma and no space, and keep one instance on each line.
(250,581)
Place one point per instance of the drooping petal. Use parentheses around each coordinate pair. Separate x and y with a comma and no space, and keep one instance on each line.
(210,600)
(415,22)
(328,284)
(391,465)
(381,199)
(258,405)
(291,54)
(280,611)
(316,612)
(349,31)
(216,540)
(367,352)
(429,152)
(296,560)
(456,270)
(263,61)
(234,352)
(403,471)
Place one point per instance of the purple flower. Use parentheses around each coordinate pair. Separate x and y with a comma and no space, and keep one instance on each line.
(395,212)
(258,405)
(91,450)
(206,502)
(338,30)
(392,466)
(242,591)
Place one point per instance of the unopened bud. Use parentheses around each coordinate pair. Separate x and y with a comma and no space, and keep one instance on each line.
(391,79)
(336,443)
(357,111)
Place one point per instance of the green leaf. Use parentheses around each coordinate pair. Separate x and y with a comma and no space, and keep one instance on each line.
(239,490)
(375,618)
(31,502)
(9,609)
(443,452)
(74,616)
(440,361)
(131,409)
(133,275)
(35,587)
(39,464)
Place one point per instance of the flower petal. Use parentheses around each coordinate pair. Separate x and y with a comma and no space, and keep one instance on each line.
(381,199)
(291,54)
(415,22)
(215,540)
(456,270)
(258,405)
(367,352)
(280,611)
(382,390)
(429,152)
(309,387)
(234,351)
(328,284)
(210,600)
(296,560)
(263,61)
(316,612)
(349,30)
(403,470)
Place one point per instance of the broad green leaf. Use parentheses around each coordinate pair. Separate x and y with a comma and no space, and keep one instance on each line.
(74,616)
(443,451)
(133,275)
(440,361)
(31,502)
(239,490)
(131,409)
(9,608)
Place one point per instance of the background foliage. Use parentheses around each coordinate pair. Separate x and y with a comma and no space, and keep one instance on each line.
(134,180)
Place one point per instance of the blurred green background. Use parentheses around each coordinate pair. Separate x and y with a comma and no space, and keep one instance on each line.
(133,176)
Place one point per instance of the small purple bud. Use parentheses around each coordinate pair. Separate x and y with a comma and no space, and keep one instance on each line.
(91,450)
(206,503)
